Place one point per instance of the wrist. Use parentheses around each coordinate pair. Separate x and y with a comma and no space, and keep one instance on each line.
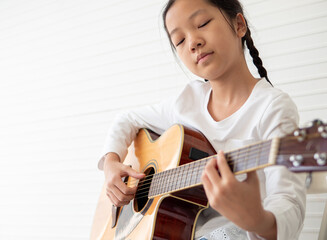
(267,228)
(111,157)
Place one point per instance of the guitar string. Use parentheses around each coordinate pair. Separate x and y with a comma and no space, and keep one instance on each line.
(159,176)
(252,155)
(241,160)
(262,146)
(144,186)
(199,168)
(140,191)
(145,194)
(228,157)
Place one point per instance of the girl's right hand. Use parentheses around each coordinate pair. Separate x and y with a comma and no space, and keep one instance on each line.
(116,189)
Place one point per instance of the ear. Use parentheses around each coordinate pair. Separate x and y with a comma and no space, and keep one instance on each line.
(240,25)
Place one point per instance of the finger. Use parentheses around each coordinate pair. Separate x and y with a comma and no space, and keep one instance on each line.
(211,170)
(115,201)
(223,166)
(207,185)
(131,172)
(120,195)
(108,195)
(118,183)
(125,189)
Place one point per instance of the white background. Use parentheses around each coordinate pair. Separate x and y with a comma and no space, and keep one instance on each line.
(67,67)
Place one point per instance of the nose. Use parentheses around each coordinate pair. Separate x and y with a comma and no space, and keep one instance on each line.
(195,43)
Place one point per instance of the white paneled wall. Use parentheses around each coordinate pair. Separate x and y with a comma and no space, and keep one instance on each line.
(66,69)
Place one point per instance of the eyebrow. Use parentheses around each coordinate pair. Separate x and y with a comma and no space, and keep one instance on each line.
(193,15)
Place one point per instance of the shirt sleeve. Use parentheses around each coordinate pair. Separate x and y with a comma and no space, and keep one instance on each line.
(126,125)
(286,192)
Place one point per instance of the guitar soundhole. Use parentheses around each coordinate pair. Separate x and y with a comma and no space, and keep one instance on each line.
(142,192)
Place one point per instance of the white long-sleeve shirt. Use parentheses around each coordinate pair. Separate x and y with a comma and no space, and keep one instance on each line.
(267,113)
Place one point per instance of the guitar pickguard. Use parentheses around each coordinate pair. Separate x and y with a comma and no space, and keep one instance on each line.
(128,220)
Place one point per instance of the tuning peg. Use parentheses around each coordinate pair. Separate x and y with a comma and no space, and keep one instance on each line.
(323,131)
(315,122)
(296,160)
(320,158)
(300,134)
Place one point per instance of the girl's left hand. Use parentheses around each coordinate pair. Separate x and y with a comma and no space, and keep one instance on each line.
(240,202)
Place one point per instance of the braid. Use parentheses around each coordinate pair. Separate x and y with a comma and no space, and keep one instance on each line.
(255,55)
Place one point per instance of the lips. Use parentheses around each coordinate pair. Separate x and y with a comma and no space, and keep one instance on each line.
(202,55)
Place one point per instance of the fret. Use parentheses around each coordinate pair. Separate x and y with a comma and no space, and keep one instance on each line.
(180,177)
(202,166)
(161,183)
(246,158)
(192,174)
(267,150)
(240,161)
(174,180)
(174,185)
(170,180)
(153,186)
(235,161)
(258,155)
(178,181)
(183,176)
(230,162)
(197,170)
(166,181)
(201,170)
(234,164)
(262,156)
(188,176)
(251,156)
(158,183)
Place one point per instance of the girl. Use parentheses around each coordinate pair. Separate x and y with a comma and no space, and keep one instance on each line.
(232,109)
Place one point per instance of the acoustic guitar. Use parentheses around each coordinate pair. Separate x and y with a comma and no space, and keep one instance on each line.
(170,198)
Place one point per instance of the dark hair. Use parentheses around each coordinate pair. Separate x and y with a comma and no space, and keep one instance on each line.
(231,8)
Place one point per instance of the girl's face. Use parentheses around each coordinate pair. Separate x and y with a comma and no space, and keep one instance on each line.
(204,40)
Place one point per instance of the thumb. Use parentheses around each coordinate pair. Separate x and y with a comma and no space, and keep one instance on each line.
(131,172)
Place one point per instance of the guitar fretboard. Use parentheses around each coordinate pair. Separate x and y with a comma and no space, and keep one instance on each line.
(243,160)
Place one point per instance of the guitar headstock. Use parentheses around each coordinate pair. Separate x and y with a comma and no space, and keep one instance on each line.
(305,150)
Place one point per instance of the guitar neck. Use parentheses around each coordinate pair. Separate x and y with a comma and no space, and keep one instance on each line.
(246,159)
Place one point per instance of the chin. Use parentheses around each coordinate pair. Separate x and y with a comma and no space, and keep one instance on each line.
(209,73)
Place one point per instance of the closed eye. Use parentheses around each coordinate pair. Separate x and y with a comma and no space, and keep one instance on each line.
(204,24)
(180,42)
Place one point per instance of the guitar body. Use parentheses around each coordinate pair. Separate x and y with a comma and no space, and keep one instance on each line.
(170,216)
